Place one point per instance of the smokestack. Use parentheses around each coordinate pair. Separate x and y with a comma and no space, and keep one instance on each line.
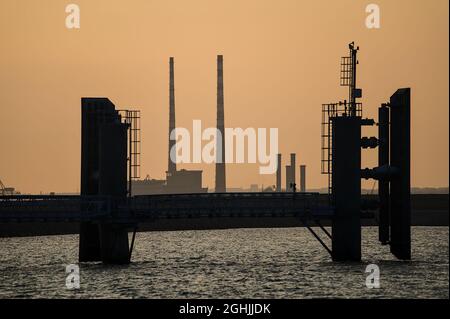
(290,174)
(293,166)
(172,166)
(220,163)
(279,173)
(288,178)
(303,178)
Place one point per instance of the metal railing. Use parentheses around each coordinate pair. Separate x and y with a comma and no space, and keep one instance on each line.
(146,207)
(330,111)
(54,207)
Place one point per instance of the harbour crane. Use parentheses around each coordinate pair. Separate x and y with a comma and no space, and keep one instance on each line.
(6,190)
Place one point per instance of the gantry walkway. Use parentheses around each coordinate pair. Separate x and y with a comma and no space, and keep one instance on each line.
(56,208)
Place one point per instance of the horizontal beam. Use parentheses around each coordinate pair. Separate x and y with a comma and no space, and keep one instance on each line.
(99,208)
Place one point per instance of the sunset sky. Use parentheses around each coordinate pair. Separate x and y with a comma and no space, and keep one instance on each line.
(281,62)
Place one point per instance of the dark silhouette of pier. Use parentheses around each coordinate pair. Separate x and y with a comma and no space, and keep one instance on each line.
(107,211)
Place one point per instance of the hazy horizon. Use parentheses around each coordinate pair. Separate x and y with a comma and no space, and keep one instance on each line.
(281,62)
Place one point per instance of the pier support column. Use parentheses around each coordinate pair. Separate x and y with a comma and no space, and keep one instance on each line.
(104,173)
(346,188)
(383,184)
(400,153)
(94,113)
(89,249)
(114,243)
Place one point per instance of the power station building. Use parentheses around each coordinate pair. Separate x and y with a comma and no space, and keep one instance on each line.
(177,181)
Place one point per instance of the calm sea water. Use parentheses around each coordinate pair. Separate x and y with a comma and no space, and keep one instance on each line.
(239,263)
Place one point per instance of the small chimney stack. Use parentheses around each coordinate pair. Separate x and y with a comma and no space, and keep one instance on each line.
(279,173)
(303,178)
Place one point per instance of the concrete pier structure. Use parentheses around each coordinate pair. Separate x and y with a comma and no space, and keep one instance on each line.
(400,157)
(95,112)
(346,194)
(383,184)
(104,173)
(114,243)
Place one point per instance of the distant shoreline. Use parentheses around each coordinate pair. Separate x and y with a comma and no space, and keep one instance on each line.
(323,190)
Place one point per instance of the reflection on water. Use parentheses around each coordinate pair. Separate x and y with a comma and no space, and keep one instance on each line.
(239,263)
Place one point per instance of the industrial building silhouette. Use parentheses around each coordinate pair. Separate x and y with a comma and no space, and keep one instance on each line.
(190,181)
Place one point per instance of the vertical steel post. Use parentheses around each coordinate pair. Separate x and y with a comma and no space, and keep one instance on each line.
(400,152)
(346,188)
(383,184)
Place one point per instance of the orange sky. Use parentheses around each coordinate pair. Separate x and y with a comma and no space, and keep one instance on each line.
(281,62)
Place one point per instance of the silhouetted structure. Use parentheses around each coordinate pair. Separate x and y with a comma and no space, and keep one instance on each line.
(172,166)
(341,160)
(400,179)
(103,172)
(7,190)
(278,187)
(290,174)
(185,181)
(346,188)
(393,173)
(220,149)
(149,186)
(177,181)
(383,185)
(105,212)
(302,178)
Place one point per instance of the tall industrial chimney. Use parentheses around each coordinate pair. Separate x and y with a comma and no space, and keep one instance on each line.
(172,166)
(279,173)
(220,160)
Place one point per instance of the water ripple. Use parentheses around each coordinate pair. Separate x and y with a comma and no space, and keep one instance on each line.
(240,263)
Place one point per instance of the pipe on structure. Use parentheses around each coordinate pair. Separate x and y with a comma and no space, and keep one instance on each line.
(220,162)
